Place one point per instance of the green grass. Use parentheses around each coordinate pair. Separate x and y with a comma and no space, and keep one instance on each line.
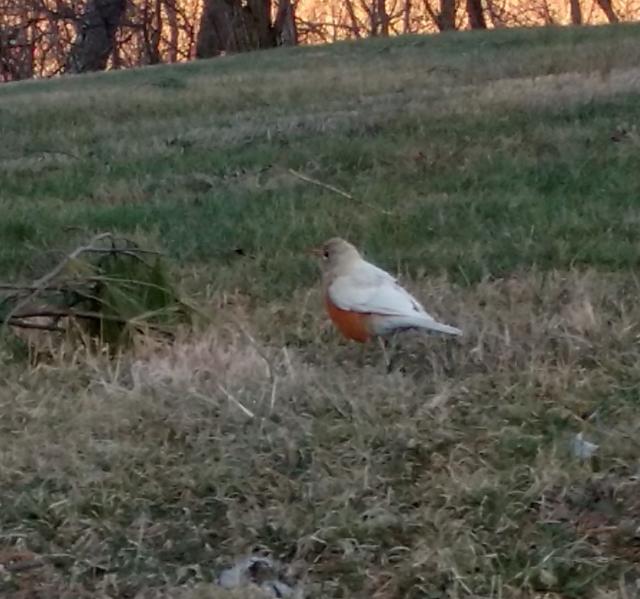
(483,171)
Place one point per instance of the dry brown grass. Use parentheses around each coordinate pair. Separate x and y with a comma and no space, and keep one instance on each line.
(450,475)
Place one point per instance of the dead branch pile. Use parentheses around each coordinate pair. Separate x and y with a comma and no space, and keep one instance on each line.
(108,290)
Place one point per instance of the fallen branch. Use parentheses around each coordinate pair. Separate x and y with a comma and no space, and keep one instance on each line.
(61,313)
(17,320)
(104,282)
(9,287)
(337,190)
(234,401)
(36,326)
(22,566)
(42,282)
(308,179)
(229,396)
(126,251)
(256,346)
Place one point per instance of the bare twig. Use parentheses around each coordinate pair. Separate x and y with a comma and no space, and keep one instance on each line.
(54,152)
(36,326)
(274,387)
(254,344)
(234,401)
(9,287)
(246,411)
(61,313)
(42,282)
(24,565)
(72,256)
(334,189)
(83,315)
(19,300)
(125,251)
(308,179)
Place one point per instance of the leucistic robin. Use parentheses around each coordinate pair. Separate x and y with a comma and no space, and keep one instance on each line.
(364,301)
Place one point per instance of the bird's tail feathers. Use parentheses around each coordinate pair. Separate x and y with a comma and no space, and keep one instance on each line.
(391,324)
(433,325)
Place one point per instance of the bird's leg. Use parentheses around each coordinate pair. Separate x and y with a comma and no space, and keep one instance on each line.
(392,349)
(363,354)
(388,356)
(383,343)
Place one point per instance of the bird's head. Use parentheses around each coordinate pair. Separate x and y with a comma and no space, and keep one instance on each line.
(335,254)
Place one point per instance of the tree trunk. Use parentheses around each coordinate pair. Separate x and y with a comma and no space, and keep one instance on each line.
(406,17)
(285,25)
(257,15)
(155,56)
(576,12)
(607,9)
(446,20)
(151,23)
(382,18)
(476,14)
(355,24)
(242,25)
(547,15)
(495,15)
(16,54)
(174,35)
(96,38)
(219,20)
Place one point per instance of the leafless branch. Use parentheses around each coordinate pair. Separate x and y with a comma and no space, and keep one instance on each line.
(35,325)
(42,282)
(334,189)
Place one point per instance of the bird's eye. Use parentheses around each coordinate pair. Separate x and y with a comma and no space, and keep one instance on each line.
(325,254)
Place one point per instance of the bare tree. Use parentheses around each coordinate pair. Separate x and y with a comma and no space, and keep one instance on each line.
(576,12)
(382,18)
(497,13)
(607,9)
(445,19)
(180,29)
(406,16)
(239,26)
(356,25)
(34,37)
(151,27)
(15,54)
(174,33)
(42,38)
(475,13)
(96,37)
(285,24)
(222,28)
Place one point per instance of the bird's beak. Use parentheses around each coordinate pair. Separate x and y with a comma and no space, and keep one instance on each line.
(315,251)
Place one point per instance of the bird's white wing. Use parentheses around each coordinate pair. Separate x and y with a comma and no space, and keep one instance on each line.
(368,288)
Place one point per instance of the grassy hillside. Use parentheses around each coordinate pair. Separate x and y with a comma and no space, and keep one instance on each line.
(498,174)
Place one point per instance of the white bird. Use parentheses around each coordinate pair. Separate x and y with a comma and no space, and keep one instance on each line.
(364,301)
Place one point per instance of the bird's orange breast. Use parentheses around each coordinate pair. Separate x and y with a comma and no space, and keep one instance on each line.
(353,325)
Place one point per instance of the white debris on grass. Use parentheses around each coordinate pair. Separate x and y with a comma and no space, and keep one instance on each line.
(581,448)
(260,572)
